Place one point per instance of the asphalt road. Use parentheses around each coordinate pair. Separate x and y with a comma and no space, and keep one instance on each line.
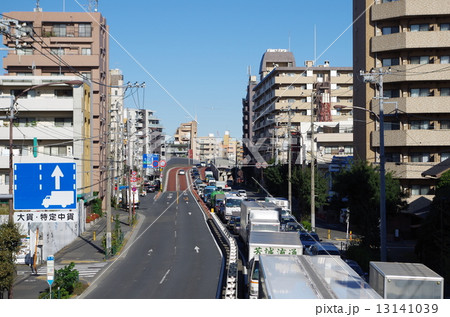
(173,256)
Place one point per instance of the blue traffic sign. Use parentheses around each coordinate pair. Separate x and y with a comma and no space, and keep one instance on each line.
(150,160)
(44,186)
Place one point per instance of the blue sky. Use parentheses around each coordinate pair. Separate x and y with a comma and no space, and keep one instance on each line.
(194,55)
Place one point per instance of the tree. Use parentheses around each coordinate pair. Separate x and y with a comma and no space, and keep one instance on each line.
(433,245)
(301,184)
(9,246)
(360,185)
(275,180)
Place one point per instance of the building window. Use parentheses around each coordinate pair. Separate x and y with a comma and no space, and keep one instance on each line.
(84,30)
(391,93)
(420,190)
(55,150)
(63,93)
(420,157)
(392,125)
(445,91)
(348,149)
(59,30)
(445,125)
(419,27)
(445,26)
(419,60)
(390,30)
(24,51)
(421,125)
(63,122)
(445,59)
(86,51)
(390,61)
(57,51)
(393,157)
(445,156)
(419,92)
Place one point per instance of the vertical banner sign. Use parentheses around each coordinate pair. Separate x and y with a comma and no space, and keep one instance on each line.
(50,269)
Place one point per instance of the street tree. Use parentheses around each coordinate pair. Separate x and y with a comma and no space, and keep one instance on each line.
(301,184)
(9,246)
(360,186)
(433,244)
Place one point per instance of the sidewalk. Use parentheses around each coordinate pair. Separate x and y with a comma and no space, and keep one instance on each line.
(87,254)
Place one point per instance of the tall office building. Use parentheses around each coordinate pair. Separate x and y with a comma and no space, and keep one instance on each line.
(67,43)
(409,42)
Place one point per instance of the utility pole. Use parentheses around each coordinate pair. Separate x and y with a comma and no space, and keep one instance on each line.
(377,79)
(313,185)
(289,160)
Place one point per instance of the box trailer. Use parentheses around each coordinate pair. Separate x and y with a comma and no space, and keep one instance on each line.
(268,243)
(310,277)
(405,280)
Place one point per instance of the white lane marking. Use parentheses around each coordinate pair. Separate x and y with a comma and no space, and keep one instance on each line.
(164,277)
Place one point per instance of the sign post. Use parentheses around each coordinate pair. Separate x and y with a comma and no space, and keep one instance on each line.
(50,272)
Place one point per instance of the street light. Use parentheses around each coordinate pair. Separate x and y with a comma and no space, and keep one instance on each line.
(380,118)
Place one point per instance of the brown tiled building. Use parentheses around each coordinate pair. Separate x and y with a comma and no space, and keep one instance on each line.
(67,43)
(410,41)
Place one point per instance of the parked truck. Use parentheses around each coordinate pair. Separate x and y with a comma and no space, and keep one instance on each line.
(258,216)
(264,243)
(393,280)
(309,277)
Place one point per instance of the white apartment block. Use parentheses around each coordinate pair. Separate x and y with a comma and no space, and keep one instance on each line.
(144,134)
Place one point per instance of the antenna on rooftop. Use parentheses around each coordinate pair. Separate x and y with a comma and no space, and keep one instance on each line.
(93,6)
(38,8)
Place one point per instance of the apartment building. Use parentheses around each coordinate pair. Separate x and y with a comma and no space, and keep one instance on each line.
(288,97)
(144,136)
(186,135)
(409,42)
(207,148)
(52,124)
(61,44)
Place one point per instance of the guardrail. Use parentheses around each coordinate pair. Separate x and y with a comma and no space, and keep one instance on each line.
(232,272)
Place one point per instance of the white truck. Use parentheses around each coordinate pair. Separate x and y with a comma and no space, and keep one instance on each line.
(59,198)
(258,216)
(394,280)
(231,206)
(268,243)
(310,277)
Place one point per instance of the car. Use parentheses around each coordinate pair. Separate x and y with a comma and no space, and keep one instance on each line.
(292,226)
(181,172)
(242,193)
(355,266)
(324,248)
(308,239)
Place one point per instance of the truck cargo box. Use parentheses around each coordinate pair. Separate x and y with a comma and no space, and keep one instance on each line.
(405,280)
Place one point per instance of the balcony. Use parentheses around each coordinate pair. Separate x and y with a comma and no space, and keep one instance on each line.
(410,73)
(410,40)
(41,133)
(423,105)
(407,171)
(13,60)
(403,8)
(413,138)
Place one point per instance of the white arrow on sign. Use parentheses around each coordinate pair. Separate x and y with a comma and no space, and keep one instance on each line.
(57,174)
(196,249)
